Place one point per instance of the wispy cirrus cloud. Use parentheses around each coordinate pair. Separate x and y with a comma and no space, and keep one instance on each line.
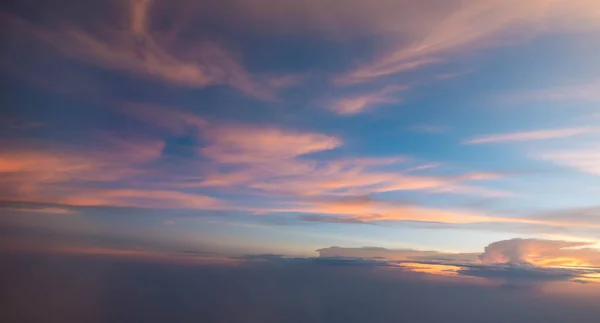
(578,92)
(355,210)
(277,161)
(273,165)
(361,102)
(545,253)
(138,46)
(469,25)
(532,135)
(585,160)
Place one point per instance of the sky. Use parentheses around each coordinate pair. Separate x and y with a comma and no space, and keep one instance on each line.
(441,137)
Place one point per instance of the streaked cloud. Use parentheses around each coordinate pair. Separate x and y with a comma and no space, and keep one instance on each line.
(367,210)
(394,254)
(578,92)
(532,135)
(584,160)
(45,210)
(249,145)
(136,45)
(139,198)
(357,103)
(474,24)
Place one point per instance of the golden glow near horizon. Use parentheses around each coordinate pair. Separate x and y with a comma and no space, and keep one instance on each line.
(434,269)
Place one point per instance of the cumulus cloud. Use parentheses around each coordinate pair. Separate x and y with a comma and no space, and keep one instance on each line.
(276,160)
(520,252)
(542,253)
(514,261)
(69,174)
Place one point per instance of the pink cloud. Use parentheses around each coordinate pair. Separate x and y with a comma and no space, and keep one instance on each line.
(585,160)
(44,210)
(136,46)
(532,135)
(138,198)
(238,144)
(468,25)
(357,103)
(61,175)
(577,92)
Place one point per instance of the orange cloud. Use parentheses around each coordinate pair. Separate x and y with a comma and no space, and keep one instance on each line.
(516,260)
(247,144)
(544,253)
(579,92)
(27,169)
(62,175)
(532,135)
(368,210)
(432,269)
(139,198)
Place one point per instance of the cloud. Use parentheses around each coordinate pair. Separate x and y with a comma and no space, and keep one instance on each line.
(377,211)
(27,168)
(69,175)
(519,276)
(320,291)
(138,45)
(577,215)
(275,166)
(271,160)
(140,198)
(579,92)
(358,103)
(585,160)
(34,208)
(532,135)
(473,24)
(394,254)
(516,261)
(241,144)
(364,210)
(547,253)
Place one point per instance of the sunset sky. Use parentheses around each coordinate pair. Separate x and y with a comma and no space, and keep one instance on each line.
(446,137)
